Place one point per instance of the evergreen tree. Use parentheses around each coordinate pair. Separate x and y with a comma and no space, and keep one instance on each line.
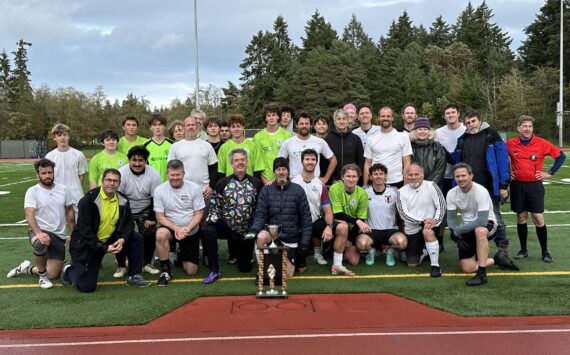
(319,33)
(440,33)
(19,82)
(231,97)
(400,34)
(354,34)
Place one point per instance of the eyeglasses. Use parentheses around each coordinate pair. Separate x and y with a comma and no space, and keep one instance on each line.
(111,181)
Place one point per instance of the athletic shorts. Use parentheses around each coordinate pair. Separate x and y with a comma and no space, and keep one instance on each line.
(299,261)
(397,185)
(319,226)
(353,233)
(56,247)
(189,247)
(382,236)
(472,241)
(527,197)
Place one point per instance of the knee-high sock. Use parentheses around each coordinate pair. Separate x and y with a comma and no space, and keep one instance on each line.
(433,251)
(542,235)
(522,231)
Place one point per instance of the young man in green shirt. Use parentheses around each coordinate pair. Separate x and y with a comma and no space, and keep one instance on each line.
(238,140)
(158,146)
(269,140)
(350,205)
(130,139)
(108,158)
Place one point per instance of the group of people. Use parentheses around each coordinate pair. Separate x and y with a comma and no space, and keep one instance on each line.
(356,191)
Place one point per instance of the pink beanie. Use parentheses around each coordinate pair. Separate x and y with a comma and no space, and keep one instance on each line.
(349,106)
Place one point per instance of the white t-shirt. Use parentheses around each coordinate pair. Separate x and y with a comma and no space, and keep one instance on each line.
(316,192)
(365,135)
(382,208)
(139,188)
(294,146)
(68,166)
(448,139)
(50,207)
(196,155)
(470,203)
(389,149)
(179,205)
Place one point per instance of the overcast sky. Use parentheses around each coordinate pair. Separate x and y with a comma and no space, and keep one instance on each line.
(147,47)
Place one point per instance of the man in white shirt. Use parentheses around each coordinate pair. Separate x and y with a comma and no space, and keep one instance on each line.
(478,225)
(447,136)
(70,163)
(294,146)
(422,208)
(48,207)
(389,147)
(179,207)
(366,128)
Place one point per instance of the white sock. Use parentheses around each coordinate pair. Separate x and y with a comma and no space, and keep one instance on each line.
(337,259)
(433,251)
(318,250)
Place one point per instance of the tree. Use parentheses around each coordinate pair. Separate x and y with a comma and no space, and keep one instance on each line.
(354,34)
(319,33)
(231,98)
(400,34)
(440,33)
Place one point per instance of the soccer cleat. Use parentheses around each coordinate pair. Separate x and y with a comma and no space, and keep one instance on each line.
(137,280)
(121,272)
(149,268)
(341,270)
(390,261)
(212,277)
(320,259)
(64,276)
(477,280)
(503,261)
(163,279)
(45,282)
(370,257)
(546,257)
(24,268)
(435,271)
(521,255)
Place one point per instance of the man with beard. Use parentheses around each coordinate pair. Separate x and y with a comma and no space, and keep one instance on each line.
(389,147)
(409,115)
(47,206)
(422,208)
(293,147)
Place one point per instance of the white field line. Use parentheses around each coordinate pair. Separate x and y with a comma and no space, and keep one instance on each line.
(18,182)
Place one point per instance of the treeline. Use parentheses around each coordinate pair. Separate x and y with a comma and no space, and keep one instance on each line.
(468,62)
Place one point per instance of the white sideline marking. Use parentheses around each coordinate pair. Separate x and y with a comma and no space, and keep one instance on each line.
(19,182)
(285,336)
(4,192)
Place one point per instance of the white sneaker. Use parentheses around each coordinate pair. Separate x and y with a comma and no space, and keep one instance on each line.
(149,268)
(45,282)
(320,259)
(23,268)
(341,270)
(121,272)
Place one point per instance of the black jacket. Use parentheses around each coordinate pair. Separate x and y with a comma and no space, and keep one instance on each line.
(433,159)
(347,148)
(287,206)
(84,242)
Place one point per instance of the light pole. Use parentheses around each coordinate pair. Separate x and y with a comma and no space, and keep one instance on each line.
(197,92)
(560,108)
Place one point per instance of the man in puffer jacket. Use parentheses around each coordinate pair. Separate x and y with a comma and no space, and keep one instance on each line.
(284,203)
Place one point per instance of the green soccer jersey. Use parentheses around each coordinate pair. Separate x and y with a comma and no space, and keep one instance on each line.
(268,145)
(124,145)
(253,162)
(158,155)
(354,204)
(102,161)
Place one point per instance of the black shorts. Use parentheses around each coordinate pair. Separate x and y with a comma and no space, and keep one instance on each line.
(382,236)
(353,233)
(415,247)
(472,241)
(189,247)
(397,185)
(527,197)
(56,247)
(319,226)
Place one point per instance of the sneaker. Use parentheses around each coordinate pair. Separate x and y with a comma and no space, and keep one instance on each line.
(45,282)
(64,276)
(403,256)
(521,255)
(390,261)
(341,270)
(24,268)
(149,268)
(503,261)
(546,257)
(477,280)
(435,271)
(137,280)
(370,257)
(121,272)
(163,279)
(212,277)
(232,261)
(320,259)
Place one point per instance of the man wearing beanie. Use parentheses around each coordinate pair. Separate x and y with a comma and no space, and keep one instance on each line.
(285,204)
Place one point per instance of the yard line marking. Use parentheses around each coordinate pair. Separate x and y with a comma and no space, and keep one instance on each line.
(287,336)
(18,182)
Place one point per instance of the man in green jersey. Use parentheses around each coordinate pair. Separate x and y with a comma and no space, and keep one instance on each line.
(130,139)
(269,140)
(158,146)
(238,140)
(350,205)
(108,158)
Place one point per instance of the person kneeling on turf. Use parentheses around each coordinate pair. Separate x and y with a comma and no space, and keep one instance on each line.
(104,226)
(477,227)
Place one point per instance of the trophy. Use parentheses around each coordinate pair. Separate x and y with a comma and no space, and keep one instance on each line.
(272,266)
(274,230)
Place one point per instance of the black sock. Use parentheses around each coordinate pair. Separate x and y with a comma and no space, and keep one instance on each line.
(165,266)
(482,270)
(542,235)
(522,231)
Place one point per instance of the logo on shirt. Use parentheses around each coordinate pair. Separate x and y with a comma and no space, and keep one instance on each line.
(533,157)
(388,199)
(352,202)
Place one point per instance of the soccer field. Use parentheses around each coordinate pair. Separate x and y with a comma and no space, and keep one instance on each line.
(538,289)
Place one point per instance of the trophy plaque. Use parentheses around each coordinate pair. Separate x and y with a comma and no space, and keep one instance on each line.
(272,267)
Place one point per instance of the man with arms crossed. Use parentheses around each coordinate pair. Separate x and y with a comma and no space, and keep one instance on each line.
(47,206)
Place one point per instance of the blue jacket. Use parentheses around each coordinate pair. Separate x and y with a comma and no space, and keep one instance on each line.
(497,157)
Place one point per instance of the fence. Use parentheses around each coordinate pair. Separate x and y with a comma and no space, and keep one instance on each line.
(28,148)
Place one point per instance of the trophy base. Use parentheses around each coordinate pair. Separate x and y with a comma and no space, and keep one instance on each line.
(272,295)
